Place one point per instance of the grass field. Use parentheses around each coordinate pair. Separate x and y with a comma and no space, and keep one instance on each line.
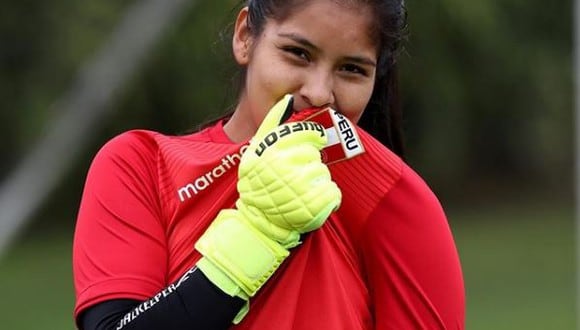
(519,267)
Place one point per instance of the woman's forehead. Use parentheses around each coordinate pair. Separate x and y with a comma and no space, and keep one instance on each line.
(333,15)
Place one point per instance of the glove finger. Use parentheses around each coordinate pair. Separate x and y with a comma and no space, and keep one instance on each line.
(297,164)
(329,197)
(307,215)
(284,190)
(287,135)
(307,206)
(280,197)
(294,155)
(297,156)
(286,236)
(300,214)
(300,133)
(274,116)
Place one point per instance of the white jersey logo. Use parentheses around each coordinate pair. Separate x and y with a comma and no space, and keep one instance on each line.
(202,182)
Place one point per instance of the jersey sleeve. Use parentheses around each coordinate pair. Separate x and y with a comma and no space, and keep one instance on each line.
(119,249)
(414,273)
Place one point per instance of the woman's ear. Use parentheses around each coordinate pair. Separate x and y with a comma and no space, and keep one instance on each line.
(242,37)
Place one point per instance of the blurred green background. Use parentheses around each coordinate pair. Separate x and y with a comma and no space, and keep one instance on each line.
(489,111)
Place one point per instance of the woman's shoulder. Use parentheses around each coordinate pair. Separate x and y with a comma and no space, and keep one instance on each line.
(415,184)
(142,141)
(136,141)
(144,148)
(128,151)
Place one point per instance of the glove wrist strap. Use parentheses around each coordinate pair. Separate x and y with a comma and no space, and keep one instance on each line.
(238,253)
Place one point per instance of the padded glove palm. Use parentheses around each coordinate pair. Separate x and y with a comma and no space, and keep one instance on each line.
(285,190)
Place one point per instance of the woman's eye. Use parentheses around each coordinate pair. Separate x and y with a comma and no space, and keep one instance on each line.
(297,52)
(355,69)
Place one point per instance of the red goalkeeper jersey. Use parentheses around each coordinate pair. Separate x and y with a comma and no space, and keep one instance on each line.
(385,260)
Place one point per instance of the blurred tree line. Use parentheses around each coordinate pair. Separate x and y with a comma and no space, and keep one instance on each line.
(487,89)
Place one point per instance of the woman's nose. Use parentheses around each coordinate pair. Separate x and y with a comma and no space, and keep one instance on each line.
(317,90)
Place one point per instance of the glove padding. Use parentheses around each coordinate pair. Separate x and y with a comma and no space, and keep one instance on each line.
(282,179)
(285,190)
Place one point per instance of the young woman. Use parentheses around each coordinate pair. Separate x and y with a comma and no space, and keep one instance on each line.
(385,259)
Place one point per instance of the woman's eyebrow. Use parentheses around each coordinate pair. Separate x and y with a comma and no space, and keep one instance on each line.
(363,60)
(301,40)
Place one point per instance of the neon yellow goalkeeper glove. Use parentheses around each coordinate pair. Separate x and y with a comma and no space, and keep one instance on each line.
(285,190)
(282,179)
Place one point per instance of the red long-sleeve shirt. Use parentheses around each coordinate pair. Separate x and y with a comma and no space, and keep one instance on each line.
(385,260)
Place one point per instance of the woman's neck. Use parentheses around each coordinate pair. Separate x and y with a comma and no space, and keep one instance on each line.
(239,127)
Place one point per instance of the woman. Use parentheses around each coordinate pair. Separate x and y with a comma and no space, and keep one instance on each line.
(384,260)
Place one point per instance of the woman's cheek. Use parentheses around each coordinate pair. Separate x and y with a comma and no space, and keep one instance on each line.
(352,102)
(283,81)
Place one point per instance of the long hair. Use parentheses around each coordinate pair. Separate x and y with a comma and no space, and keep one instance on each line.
(382,117)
